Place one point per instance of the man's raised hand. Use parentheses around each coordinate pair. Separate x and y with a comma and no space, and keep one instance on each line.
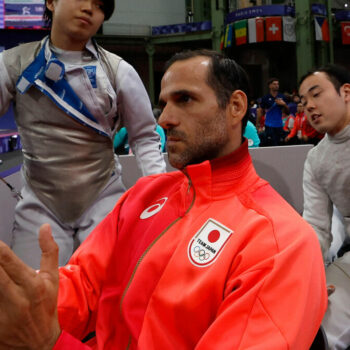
(28,298)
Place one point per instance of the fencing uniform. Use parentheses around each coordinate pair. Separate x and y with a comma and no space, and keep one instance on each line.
(67,106)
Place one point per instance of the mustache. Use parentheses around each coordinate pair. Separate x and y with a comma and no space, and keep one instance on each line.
(176,134)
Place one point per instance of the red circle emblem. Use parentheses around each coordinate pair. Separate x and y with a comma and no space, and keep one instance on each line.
(214,236)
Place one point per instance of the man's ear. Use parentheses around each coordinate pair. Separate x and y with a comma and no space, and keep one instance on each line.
(50,5)
(345,89)
(237,106)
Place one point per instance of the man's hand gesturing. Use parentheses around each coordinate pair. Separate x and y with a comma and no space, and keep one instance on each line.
(28,298)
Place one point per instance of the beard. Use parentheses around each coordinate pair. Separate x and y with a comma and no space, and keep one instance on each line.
(205,143)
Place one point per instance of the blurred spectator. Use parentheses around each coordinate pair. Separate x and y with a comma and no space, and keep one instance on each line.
(157,112)
(288,121)
(251,134)
(302,131)
(121,142)
(295,136)
(271,105)
(260,126)
(253,111)
(293,104)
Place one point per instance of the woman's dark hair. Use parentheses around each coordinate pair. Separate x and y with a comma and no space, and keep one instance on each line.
(108,9)
(224,76)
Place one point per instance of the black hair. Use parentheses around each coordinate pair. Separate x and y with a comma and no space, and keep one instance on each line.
(337,75)
(108,9)
(271,80)
(224,76)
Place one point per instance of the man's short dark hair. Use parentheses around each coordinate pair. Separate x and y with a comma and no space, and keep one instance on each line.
(108,9)
(224,76)
(271,80)
(337,75)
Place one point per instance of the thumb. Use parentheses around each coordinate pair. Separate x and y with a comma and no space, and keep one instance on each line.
(49,251)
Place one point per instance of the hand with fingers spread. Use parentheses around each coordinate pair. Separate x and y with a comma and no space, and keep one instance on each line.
(28,299)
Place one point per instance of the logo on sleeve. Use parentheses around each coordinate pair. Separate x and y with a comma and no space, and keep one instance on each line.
(154,208)
(208,243)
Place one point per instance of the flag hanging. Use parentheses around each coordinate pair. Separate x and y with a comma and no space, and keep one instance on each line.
(226,35)
(321,28)
(345,33)
(241,32)
(273,27)
(256,30)
(229,35)
(289,29)
(222,41)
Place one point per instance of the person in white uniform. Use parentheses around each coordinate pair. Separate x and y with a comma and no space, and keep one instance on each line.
(70,95)
(325,95)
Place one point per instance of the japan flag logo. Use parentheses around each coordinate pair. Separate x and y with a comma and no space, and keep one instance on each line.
(208,243)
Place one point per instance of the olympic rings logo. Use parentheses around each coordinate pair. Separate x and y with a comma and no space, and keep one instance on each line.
(200,253)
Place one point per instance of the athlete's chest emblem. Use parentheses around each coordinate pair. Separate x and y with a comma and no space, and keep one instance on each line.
(208,243)
(154,208)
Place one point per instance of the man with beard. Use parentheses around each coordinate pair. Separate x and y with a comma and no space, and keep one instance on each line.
(207,257)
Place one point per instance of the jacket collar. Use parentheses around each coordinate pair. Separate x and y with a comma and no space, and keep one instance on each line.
(222,176)
(90,50)
(341,136)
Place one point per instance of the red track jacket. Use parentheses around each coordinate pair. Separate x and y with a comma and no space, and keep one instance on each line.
(212,258)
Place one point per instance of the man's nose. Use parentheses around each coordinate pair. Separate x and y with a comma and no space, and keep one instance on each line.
(87,5)
(168,118)
(310,105)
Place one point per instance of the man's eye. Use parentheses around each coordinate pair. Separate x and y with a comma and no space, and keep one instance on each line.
(99,5)
(185,98)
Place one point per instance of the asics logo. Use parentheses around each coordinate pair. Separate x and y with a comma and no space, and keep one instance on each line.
(154,208)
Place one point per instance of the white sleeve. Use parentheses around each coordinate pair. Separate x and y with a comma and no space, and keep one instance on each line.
(135,109)
(318,208)
(6,88)
(291,123)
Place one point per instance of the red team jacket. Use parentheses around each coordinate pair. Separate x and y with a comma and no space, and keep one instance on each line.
(301,124)
(208,258)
